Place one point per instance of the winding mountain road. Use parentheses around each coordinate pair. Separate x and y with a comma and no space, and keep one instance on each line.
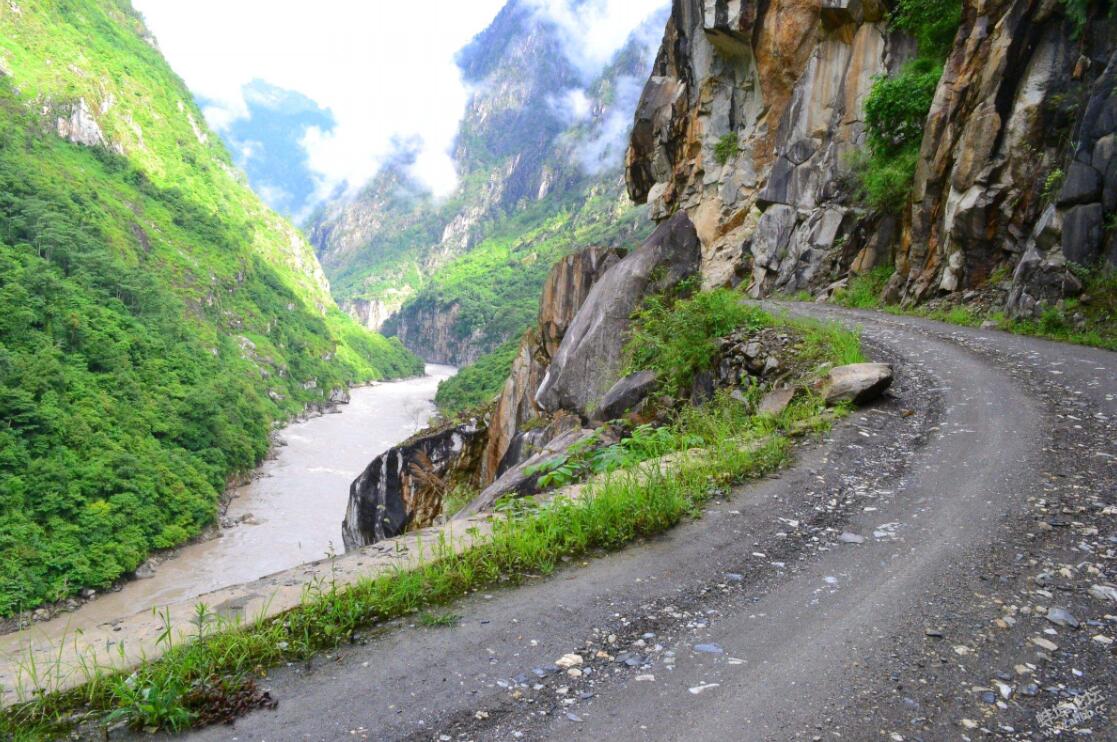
(890,585)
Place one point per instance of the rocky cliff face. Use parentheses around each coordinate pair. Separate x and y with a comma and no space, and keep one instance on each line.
(744,124)
(752,109)
(1018,86)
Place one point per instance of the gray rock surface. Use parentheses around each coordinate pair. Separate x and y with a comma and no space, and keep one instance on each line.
(588,361)
(858,382)
(625,395)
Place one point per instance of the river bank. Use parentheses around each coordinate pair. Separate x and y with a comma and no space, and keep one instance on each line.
(289,513)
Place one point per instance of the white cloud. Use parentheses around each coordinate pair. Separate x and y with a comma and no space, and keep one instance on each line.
(592,31)
(385,71)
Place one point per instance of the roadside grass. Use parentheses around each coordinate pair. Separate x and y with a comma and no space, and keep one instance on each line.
(432,620)
(1098,327)
(719,444)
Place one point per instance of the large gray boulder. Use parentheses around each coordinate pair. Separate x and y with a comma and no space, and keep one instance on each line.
(403,487)
(858,382)
(589,359)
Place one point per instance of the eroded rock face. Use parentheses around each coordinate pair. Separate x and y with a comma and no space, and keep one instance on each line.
(403,487)
(1016,87)
(786,81)
(567,286)
(588,360)
(753,109)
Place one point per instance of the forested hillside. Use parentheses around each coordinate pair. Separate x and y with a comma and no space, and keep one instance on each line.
(156,318)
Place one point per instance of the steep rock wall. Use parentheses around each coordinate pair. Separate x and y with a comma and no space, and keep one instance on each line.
(752,110)
(744,124)
(1019,84)
(568,284)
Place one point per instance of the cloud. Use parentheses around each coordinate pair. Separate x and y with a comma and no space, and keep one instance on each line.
(384,71)
(593,31)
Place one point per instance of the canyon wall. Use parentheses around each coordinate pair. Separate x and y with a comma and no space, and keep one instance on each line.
(753,111)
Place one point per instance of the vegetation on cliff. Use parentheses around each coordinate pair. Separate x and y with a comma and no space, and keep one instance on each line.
(897,105)
(155,317)
(477,384)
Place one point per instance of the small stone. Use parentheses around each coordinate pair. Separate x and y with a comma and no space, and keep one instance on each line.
(568,660)
(645,678)
(1104,592)
(933,633)
(574,672)
(851,538)
(1062,617)
(480,715)
(709,649)
(734,577)
(695,690)
(574,717)
(969,723)
(1045,644)
(988,696)
(1102,639)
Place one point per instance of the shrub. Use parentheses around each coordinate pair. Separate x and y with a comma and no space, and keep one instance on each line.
(727,147)
(933,23)
(897,106)
(676,337)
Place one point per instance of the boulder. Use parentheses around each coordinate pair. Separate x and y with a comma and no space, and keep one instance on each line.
(403,487)
(776,401)
(588,360)
(625,395)
(858,383)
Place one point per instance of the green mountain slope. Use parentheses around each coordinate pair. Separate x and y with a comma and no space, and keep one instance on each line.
(156,318)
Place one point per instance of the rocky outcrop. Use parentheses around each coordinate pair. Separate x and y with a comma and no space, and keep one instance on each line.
(566,288)
(1017,86)
(403,488)
(588,361)
(752,111)
(745,122)
(79,126)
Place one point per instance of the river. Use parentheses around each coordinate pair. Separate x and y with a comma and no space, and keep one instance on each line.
(294,507)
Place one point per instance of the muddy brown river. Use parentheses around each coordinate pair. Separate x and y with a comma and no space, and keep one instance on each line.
(291,512)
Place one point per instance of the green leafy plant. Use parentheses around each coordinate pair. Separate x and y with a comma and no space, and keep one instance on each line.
(727,147)
(1052,184)
(675,337)
(933,23)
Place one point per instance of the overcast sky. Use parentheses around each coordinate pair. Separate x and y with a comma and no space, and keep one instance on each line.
(384,70)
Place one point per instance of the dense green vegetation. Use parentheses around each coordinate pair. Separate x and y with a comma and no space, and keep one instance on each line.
(897,106)
(155,318)
(634,500)
(479,383)
(676,335)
